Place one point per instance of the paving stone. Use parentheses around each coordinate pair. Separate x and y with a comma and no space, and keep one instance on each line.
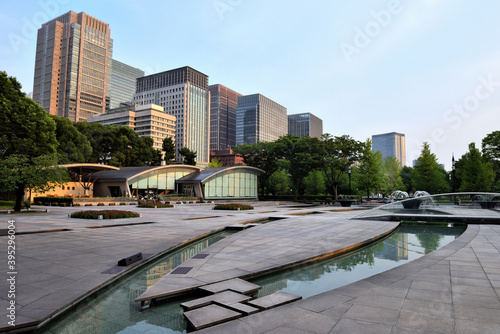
(225,297)
(239,307)
(209,316)
(236,284)
(273,300)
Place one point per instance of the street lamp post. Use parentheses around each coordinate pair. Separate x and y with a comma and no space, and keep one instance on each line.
(349,172)
(453,178)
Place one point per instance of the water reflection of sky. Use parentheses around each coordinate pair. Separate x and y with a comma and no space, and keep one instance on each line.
(400,248)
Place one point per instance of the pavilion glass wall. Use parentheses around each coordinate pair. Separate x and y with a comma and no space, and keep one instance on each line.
(232,185)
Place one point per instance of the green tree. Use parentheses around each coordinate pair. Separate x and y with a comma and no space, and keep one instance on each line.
(475,171)
(279,182)
(262,155)
(428,175)
(392,179)
(491,151)
(406,177)
(370,170)
(215,163)
(189,156)
(338,154)
(28,143)
(315,183)
(101,141)
(73,146)
(301,156)
(168,148)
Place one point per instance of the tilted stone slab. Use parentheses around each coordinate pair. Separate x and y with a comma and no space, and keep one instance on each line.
(236,284)
(210,315)
(225,297)
(241,308)
(274,300)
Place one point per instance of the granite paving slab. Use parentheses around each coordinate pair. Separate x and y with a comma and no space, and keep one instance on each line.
(235,284)
(274,300)
(239,307)
(224,297)
(210,315)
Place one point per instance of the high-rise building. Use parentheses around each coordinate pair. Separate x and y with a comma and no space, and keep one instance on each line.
(223,103)
(305,125)
(390,145)
(182,92)
(147,120)
(123,81)
(73,66)
(259,119)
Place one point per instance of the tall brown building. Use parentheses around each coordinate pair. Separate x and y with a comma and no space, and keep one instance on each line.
(73,66)
(223,103)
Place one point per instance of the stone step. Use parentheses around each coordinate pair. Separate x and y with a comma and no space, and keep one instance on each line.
(236,284)
(241,308)
(210,315)
(224,297)
(274,300)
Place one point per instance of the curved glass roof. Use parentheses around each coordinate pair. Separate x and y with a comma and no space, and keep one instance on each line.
(204,175)
(453,207)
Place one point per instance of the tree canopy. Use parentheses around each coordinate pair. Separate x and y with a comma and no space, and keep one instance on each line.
(474,171)
(428,175)
(370,169)
(28,143)
(168,148)
(73,146)
(189,156)
(262,155)
(338,154)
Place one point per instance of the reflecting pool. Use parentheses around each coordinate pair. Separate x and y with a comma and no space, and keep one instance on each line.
(113,309)
(409,242)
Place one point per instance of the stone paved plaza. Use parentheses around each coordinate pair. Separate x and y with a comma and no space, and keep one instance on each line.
(452,290)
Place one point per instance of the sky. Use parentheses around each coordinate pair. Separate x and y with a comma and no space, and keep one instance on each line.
(429,69)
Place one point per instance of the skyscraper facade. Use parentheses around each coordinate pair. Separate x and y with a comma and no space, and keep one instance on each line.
(305,125)
(390,145)
(183,93)
(259,119)
(73,66)
(123,81)
(223,103)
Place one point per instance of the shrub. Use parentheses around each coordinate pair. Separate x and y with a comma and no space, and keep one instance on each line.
(112,203)
(88,204)
(152,205)
(123,203)
(100,204)
(233,206)
(76,204)
(106,214)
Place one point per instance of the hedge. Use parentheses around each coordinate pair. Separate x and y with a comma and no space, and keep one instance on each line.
(106,214)
(153,205)
(54,201)
(233,206)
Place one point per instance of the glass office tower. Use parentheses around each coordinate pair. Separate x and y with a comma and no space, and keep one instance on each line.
(123,81)
(73,66)
(390,145)
(259,119)
(305,125)
(183,93)
(223,103)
